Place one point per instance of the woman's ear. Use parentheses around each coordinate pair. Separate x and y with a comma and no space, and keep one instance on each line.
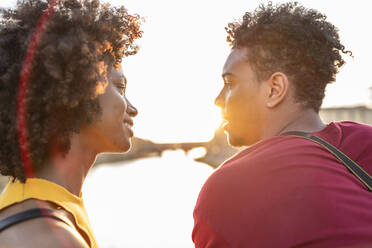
(277,89)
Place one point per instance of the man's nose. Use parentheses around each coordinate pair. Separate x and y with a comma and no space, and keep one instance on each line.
(220,99)
(131,110)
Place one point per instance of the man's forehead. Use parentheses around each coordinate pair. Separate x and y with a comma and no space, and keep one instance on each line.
(237,57)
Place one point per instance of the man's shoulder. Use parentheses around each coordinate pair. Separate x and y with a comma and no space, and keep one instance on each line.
(282,162)
(266,150)
(258,162)
(353,125)
(284,155)
(355,129)
(279,148)
(336,132)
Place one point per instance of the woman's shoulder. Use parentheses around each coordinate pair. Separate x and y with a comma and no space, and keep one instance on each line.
(39,232)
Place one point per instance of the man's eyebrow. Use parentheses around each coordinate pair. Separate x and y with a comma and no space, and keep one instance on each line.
(227,74)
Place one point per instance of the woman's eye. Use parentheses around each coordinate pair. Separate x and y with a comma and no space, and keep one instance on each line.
(121,89)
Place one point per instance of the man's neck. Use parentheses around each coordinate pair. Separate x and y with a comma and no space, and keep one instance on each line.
(306,121)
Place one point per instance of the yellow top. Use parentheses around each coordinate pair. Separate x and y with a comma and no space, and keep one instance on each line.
(41,189)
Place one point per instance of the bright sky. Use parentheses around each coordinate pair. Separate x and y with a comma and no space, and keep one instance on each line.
(175,77)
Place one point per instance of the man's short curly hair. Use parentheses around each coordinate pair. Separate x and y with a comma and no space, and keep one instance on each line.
(61,97)
(294,40)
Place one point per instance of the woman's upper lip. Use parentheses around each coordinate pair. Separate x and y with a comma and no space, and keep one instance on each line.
(129,121)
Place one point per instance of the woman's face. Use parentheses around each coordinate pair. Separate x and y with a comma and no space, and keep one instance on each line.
(112,131)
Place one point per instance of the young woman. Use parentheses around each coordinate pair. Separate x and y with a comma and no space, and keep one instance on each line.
(62,98)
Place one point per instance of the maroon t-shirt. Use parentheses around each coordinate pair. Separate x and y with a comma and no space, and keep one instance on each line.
(289,192)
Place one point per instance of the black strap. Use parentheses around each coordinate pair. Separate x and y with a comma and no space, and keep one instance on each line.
(32,214)
(353,167)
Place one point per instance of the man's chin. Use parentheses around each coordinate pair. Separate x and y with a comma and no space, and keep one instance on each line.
(238,141)
(234,141)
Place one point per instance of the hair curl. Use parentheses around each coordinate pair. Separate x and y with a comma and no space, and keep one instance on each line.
(294,40)
(61,96)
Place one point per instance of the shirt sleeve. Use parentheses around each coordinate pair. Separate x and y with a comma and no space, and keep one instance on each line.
(204,236)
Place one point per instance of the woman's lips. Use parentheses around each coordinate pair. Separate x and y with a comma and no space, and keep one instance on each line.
(129,127)
(128,123)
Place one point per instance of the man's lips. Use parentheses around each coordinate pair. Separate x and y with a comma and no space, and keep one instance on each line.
(226,120)
(225,123)
(224,116)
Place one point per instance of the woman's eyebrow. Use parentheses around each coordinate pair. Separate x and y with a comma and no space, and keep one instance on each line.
(120,80)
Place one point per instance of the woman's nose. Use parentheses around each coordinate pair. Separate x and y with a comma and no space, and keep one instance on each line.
(131,110)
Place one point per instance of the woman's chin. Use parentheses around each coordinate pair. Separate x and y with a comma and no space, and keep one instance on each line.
(119,147)
(127,149)
(126,146)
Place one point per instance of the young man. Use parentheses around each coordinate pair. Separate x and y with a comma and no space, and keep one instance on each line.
(284,191)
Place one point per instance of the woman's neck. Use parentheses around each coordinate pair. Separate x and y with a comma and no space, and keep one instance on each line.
(69,170)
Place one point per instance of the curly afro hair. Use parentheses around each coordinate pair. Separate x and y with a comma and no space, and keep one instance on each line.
(294,40)
(61,97)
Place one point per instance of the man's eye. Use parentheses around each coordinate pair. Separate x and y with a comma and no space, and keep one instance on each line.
(228,85)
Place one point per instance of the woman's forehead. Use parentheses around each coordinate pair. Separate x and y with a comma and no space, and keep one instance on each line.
(117,73)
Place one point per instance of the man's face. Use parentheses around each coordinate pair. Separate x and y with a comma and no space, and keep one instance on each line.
(241,100)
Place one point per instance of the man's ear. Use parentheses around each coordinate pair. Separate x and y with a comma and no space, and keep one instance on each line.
(277,89)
